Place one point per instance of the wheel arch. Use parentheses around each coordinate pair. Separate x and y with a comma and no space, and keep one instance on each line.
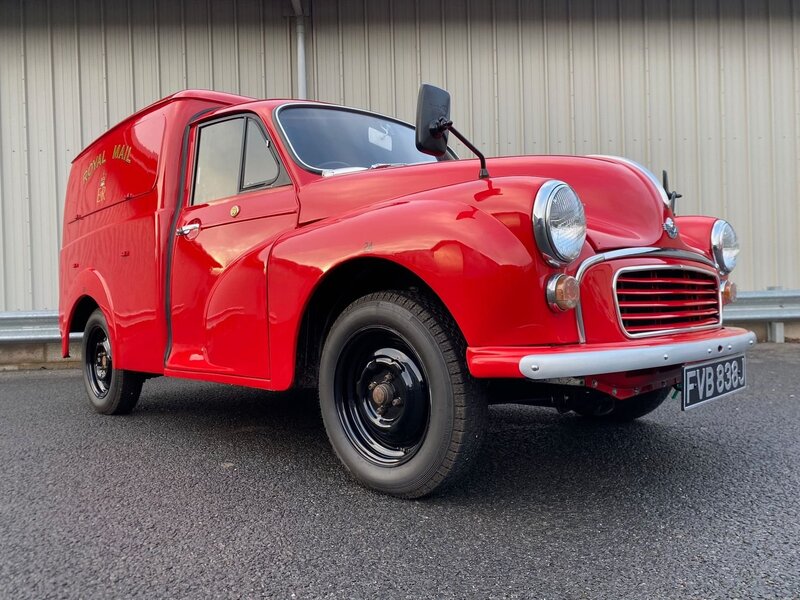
(90,292)
(84,308)
(339,287)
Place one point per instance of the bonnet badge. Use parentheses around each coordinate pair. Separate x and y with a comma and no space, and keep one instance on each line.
(671,228)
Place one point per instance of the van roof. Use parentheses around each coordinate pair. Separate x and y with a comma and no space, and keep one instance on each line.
(220,97)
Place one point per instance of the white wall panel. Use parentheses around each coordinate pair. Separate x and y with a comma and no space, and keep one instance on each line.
(14,165)
(71,69)
(41,153)
(708,89)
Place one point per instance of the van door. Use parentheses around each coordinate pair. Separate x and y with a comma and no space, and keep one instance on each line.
(239,201)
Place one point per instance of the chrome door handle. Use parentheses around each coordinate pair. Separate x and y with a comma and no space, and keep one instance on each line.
(187,229)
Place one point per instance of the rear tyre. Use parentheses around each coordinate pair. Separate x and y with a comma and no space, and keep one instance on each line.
(401,410)
(111,391)
(625,411)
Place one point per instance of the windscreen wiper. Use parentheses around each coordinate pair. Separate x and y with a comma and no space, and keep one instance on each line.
(385,165)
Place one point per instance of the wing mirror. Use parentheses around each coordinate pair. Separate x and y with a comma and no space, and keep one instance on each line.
(433,120)
(433,124)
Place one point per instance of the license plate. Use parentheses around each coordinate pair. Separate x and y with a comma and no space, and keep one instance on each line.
(712,379)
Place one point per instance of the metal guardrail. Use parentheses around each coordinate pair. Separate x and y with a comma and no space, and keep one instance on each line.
(771,306)
(31,327)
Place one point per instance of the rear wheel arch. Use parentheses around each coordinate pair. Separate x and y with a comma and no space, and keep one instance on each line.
(87,292)
(81,312)
(76,320)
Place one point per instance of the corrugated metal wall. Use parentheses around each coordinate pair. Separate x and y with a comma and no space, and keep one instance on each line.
(709,90)
(71,69)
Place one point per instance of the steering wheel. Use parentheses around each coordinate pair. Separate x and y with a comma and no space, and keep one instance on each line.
(334,164)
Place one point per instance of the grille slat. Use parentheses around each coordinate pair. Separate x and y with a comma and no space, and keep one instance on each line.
(686,314)
(641,329)
(684,290)
(666,299)
(665,303)
(666,280)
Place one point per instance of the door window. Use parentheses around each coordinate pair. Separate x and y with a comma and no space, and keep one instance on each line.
(260,167)
(233,156)
(218,159)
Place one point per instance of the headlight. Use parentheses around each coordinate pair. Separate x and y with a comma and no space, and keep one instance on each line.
(559,223)
(724,245)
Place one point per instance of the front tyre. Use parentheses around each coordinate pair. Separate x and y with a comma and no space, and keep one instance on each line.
(111,391)
(401,410)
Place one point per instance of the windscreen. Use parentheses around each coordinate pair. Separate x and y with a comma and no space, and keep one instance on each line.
(336,138)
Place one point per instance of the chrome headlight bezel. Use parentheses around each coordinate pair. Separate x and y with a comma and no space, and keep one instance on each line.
(725,264)
(542,227)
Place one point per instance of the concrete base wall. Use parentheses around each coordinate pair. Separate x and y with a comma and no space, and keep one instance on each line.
(38,355)
(791,331)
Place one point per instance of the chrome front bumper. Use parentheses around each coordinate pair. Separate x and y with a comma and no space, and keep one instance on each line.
(592,361)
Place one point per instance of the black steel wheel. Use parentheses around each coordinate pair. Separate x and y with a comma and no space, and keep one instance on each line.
(111,391)
(401,410)
(97,361)
(381,395)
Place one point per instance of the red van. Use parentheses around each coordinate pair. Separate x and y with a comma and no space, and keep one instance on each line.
(281,243)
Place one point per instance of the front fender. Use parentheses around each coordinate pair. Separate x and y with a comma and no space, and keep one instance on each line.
(695,231)
(481,271)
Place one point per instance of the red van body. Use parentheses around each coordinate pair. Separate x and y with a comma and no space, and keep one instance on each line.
(243,290)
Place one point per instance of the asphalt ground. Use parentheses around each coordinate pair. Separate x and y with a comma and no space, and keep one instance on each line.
(210,491)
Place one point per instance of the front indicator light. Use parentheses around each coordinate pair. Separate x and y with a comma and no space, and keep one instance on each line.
(563,293)
(728,292)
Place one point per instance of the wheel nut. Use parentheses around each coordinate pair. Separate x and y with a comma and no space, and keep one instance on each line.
(397,402)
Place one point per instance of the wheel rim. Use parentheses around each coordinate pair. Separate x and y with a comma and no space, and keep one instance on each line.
(97,362)
(382,396)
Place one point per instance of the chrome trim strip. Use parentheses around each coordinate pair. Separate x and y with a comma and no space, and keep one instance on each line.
(642,169)
(550,292)
(666,331)
(628,253)
(597,362)
(342,171)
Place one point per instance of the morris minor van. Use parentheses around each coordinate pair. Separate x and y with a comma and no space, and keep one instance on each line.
(282,244)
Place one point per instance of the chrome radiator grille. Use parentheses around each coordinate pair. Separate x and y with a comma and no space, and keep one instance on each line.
(655,300)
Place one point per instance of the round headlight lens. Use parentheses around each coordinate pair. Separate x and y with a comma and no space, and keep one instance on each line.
(559,223)
(724,245)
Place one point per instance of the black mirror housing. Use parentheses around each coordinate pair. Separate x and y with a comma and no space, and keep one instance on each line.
(433,120)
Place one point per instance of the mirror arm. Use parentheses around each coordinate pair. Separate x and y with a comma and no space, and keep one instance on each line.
(483,172)
(673,196)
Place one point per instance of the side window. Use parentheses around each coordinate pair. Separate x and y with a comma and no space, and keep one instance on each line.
(218,160)
(260,166)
